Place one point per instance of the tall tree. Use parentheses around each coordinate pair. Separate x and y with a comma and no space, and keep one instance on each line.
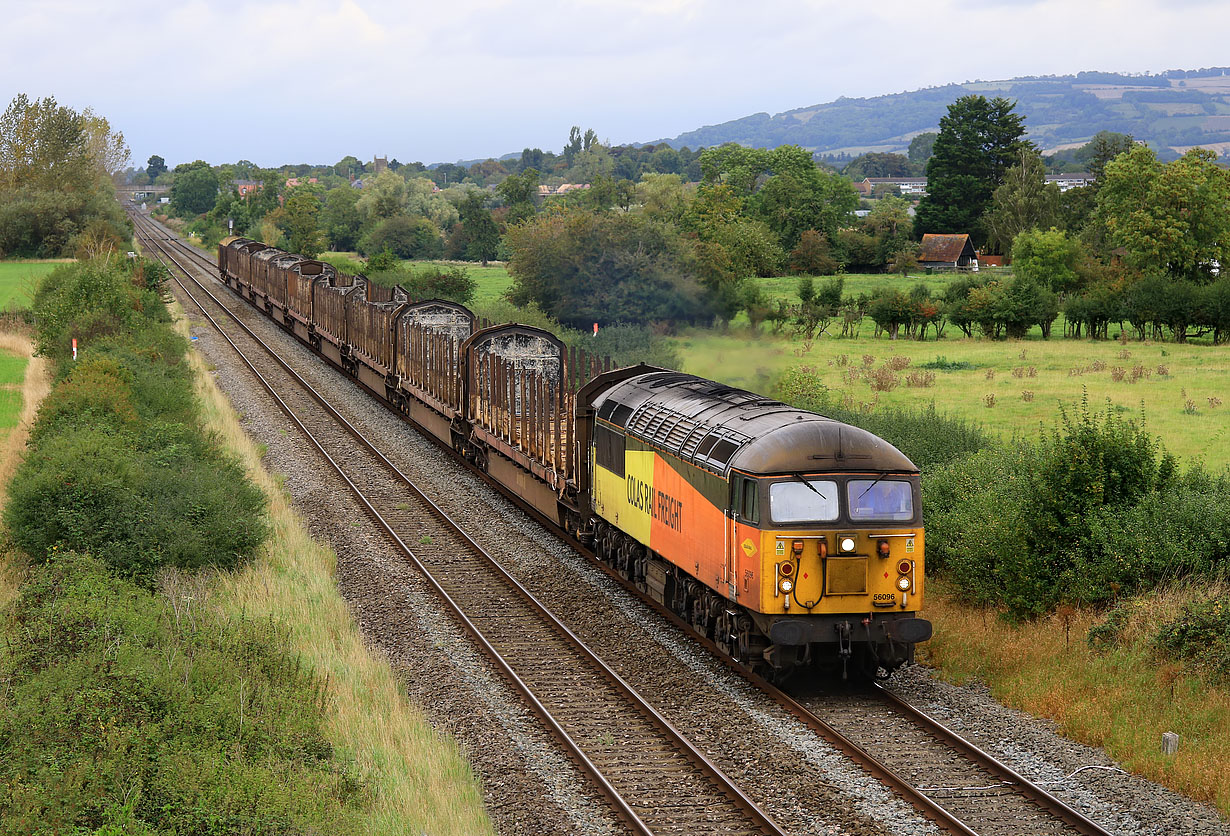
(1104,147)
(298,220)
(1170,218)
(384,196)
(978,140)
(55,180)
(519,192)
(1023,201)
(482,237)
(154,166)
(921,147)
(341,219)
(877,164)
(195,189)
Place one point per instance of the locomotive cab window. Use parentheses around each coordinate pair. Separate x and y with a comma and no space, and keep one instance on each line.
(609,449)
(882,499)
(803,500)
(747,500)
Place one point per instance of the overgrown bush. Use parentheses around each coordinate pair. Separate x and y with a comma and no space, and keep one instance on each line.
(117,466)
(140,501)
(428,281)
(93,300)
(1200,634)
(1091,511)
(129,712)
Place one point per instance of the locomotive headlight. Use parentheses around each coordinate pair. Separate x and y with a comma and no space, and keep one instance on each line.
(786,585)
(903,583)
(846,544)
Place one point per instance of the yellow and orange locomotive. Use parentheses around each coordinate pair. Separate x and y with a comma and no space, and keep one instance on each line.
(787,537)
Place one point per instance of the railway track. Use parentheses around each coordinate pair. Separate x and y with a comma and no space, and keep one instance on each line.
(972,787)
(655,779)
(960,788)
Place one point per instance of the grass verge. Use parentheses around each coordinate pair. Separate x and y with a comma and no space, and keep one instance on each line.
(420,781)
(1121,699)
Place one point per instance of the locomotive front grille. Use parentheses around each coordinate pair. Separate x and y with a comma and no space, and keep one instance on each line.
(846,576)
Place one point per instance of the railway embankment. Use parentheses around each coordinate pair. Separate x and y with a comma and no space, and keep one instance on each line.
(175,656)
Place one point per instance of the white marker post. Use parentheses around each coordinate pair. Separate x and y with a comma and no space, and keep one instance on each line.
(74,348)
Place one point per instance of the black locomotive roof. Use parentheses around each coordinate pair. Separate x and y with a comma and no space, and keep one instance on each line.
(721,428)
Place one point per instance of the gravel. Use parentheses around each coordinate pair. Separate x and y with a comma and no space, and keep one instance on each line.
(1083,777)
(529,785)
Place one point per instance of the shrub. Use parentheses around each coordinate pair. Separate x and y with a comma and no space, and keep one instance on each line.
(164,497)
(406,237)
(1200,634)
(92,300)
(1093,510)
(125,714)
(943,364)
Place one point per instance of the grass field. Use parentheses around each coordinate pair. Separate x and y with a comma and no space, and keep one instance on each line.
(18,280)
(1010,386)
(855,284)
(12,373)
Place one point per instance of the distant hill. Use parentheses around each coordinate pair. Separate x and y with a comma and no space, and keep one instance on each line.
(1172,111)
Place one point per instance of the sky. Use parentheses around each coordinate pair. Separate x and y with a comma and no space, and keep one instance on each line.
(290,81)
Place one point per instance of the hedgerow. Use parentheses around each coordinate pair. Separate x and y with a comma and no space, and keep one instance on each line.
(131,712)
(117,465)
(126,704)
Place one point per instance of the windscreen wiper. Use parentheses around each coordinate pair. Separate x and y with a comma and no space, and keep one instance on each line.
(812,487)
(878,480)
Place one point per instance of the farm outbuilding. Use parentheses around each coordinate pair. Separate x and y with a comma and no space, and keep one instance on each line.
(948,252)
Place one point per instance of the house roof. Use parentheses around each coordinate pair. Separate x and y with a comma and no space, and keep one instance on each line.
(946,248)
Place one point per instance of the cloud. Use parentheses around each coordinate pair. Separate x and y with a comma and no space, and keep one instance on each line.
(313,80)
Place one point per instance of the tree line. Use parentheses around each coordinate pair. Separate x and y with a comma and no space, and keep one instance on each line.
(665,247)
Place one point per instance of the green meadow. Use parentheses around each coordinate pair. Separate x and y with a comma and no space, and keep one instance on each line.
(490,281)
(12,373)
(1009,387)
(18,279)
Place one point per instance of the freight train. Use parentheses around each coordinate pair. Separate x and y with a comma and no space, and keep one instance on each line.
(789,539)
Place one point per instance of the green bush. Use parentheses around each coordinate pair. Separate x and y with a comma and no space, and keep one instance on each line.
(1092,511)
(131,712)
(140,501)
(1201,634)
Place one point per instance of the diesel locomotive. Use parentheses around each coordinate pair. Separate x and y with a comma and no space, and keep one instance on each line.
(789,539)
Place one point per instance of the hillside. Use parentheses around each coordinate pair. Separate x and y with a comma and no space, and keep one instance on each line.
(1172,111)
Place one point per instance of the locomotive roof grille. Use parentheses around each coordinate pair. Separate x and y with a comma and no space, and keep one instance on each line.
(717,427)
